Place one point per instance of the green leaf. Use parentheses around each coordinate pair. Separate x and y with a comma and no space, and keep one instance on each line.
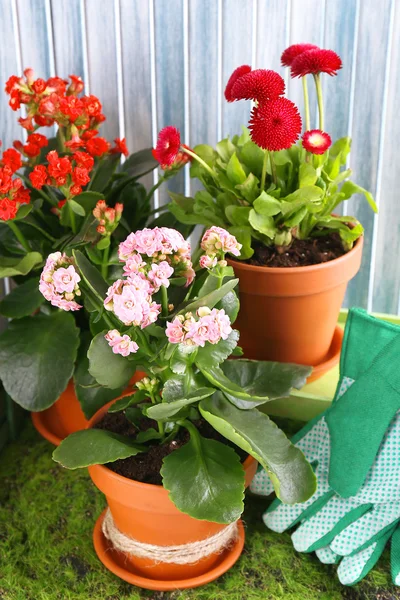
(305,196)
(208,154)
(225,149)
(205,480)
(262,223)
(165,410)
(210,299)
(182,207)
(349,188)
(341,148)
(127,401)
(103,172)
(252,156)
(109,369)
(77,208)
(10,267)
(37,356)
(103,243)
(23,211)
(295,218)
(94,447)
(231,305)
(88,200)
(249,188)
(139,163)
(91,396)
(267,205)
(182,357)
(251,430)
(237,215)
(91,276)
(235,171)
(23,300)
(307,175)
(214,354)
(243,236)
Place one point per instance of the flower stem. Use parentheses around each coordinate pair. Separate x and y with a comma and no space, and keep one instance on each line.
(40,192)
(152,190)
(273,168)
(164,301)
(19,235)
(104,262)
(199,160)
(264,170)
(306,103)
(72,218)
(318,87)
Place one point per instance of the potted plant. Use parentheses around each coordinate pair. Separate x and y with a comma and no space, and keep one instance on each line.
(165,455)
(279,198)
(56,194)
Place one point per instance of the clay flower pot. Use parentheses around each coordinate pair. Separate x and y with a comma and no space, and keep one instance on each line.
(290,314)
(145,512)
(66,416)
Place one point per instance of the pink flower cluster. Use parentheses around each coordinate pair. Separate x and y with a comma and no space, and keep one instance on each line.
(59,282)
(121,344)
(216,242)
(131,301)
(211,326)
(158,253)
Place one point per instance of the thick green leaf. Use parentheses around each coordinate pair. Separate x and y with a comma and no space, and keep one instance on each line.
(10,267)
(290,473)
(165,410)
(22,301)
(349,188)
(262,223)
(108,369)
(77,208)
(88,200)
(237,215)
(37,356)
(102,174)
(225,149)
(231,305)
(139,163)
(235,172)
(249,188)
(267,205)
(252,156)
(182,357)
(91,275)
(94,447)
(210,299)
(307,175)
(205,480)
(213,354)
(127,401)
(208,154)
(305,196)
(23,211)
(243,236)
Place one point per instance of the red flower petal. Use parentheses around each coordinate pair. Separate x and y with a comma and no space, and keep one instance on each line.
(316,61)
(168,145)
(239,72)
(293,52)
(275,125)
(260,85)
(316,141)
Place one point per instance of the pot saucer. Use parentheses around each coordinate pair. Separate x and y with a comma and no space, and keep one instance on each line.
(39,420)
(115,562)
(331,359)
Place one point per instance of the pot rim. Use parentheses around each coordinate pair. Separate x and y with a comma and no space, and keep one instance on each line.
(330,264)
(126,480)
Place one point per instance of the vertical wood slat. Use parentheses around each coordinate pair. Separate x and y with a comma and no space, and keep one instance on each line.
(9,65)
(366,130)
(67,36)
(270,47)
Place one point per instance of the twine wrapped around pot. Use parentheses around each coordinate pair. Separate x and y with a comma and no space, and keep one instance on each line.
(183,554)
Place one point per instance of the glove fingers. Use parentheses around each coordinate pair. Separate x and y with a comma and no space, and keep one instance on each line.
(354,568)
(395,556)
(318,531)
(327,556)
(280,517)
(364,531)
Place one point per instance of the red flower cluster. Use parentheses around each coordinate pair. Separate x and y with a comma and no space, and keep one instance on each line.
(275,124)
(69,173)
(33,146)
(12,159)
(308,59)
(12,194)
(316,141)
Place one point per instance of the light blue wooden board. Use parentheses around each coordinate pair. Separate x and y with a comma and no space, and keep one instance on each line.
(269,47)
(10,129)
(68,37)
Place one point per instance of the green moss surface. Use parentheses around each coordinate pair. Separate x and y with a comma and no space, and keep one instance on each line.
(47,516)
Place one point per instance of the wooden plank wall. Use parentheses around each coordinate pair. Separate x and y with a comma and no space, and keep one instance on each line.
(159,62)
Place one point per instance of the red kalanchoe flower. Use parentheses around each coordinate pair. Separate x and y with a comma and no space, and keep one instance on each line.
(80,176)
(61,203)
(35,142)
(293,52)
(316,141)
(316,61)
(75,190)
(8,209)
(39,86)
(83,159)
(92,105)
(38,176)
(12,159)
(76,86)
(168,145)
(13,83)
(120,147)
(22,196)
(72,107)
(237,73)
(260,85)
(275,125)
(57,85)
(97,146)
(12,194)
(58,167)
(26,123)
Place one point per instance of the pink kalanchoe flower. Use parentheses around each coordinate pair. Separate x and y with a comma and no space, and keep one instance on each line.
(150,314)
(121,344)
(159,274)
(65,279)
(208,261)
(175,331)
(59,282)
(217,240)
(223,322)
(131,301)
(204,330)
(133,265)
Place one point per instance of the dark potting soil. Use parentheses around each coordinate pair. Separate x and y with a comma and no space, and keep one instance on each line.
(300,253)
(145,467)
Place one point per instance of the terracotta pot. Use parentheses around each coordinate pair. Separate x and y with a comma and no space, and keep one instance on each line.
(66,416)
(145,512)
(290,314)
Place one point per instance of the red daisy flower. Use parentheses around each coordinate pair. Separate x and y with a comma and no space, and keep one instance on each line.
(316,141)
(237,73)
(260,85)
(168,145)
(275,125)
(293,52)
(316,61)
